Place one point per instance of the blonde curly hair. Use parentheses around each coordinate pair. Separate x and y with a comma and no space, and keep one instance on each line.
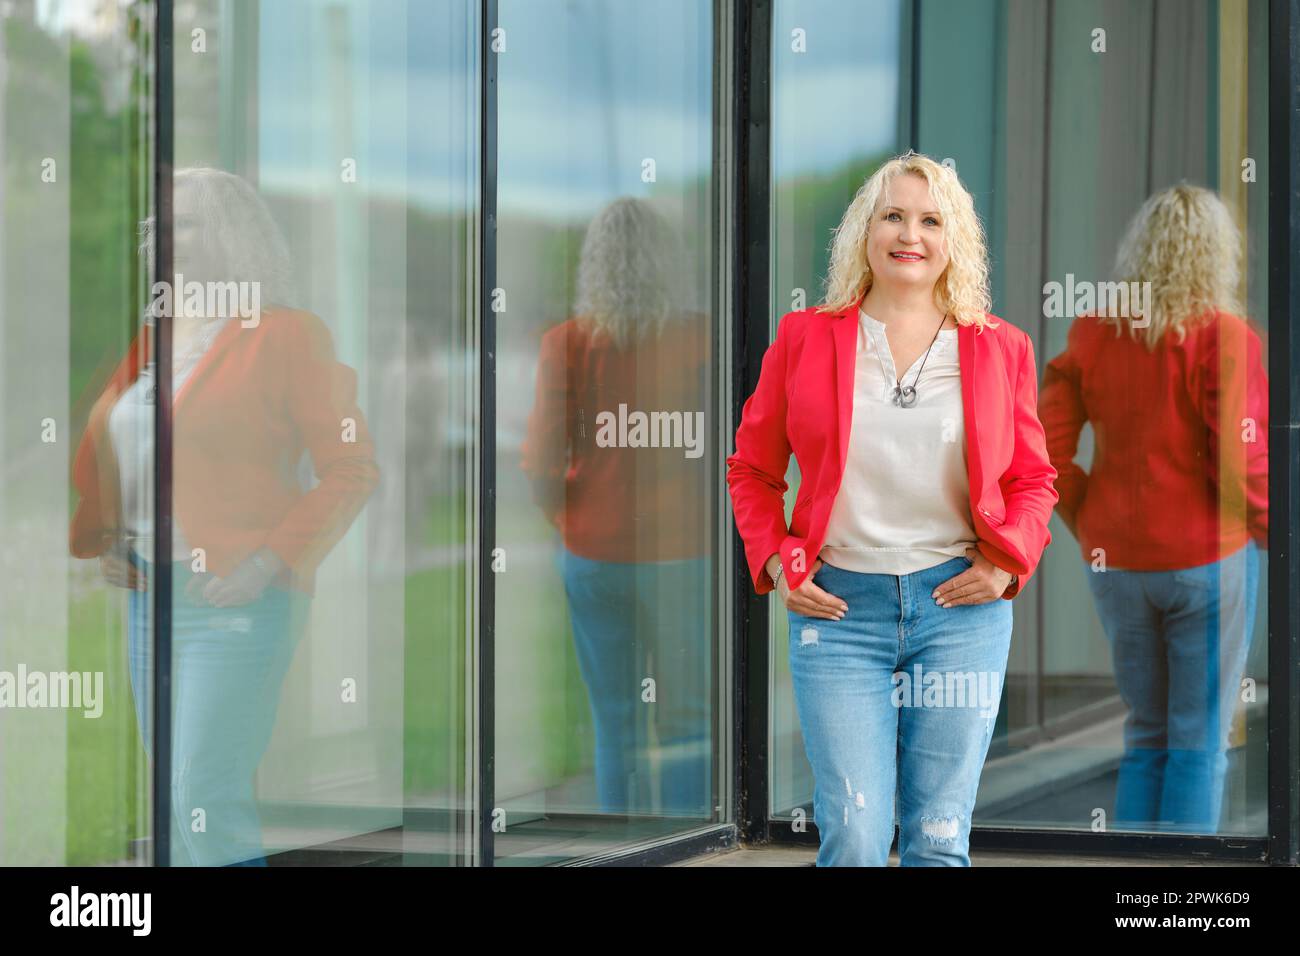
(237,227)
(963,288)
(628,269)
(1185,242)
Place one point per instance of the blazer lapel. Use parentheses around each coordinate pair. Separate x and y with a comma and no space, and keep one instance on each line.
(206,360)
(844,330)
(968,347)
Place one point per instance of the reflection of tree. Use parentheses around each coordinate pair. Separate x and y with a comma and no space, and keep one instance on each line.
(105,172)
(807,208)
(85,94)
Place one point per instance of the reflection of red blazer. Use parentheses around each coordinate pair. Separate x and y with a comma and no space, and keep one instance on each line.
(619,504)
(256,399)
(804,403)
(1180,471)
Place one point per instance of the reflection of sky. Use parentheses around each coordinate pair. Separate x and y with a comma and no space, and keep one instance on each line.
(588,89)
(591,88)
(847,76)
(334,81)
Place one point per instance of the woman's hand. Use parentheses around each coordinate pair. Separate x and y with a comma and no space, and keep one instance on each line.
(810,600)
(243,585)
(118,570)
(981,583)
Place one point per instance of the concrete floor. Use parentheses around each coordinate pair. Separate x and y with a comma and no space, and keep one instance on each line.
(805,856)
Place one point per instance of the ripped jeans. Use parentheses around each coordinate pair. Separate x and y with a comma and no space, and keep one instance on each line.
(897,703)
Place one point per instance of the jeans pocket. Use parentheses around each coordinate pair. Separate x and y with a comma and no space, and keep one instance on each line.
(1101,582)
(1200,578)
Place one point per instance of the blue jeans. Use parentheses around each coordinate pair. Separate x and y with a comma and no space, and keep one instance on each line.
(1179,640)
(228,664)
(643,637)
(877,729)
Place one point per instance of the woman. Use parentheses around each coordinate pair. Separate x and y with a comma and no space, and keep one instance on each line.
(924,499)
(633,515)
(1176,501)
(253,388)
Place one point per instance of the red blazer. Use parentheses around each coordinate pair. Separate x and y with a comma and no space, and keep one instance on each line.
(804,403)
(1178,479)
(256,399)
(619,504)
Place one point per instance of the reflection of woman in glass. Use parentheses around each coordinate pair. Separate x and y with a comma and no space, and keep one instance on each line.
(255,384)
(1169,515)
(632,509)
(911,411)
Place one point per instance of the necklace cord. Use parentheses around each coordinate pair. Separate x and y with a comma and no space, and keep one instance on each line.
(898,384)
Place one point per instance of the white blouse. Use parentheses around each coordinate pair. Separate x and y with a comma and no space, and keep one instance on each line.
(904,501)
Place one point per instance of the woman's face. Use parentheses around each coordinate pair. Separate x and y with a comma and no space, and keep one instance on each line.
(904,244)
(189,255)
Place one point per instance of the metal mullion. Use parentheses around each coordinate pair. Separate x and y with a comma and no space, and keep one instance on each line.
(1284,420)
(162,518)
(750,331)
(486,742)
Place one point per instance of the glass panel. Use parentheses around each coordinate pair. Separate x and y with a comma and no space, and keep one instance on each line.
(1136,689)
(320,309)
(825,53)
(607,478)
(1147,707)
(75,129)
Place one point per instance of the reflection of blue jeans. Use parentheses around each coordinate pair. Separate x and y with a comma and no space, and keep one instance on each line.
(643,637)
(227,668)
(1179,641)
(872,736)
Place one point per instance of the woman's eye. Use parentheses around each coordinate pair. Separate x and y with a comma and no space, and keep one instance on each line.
(932,221)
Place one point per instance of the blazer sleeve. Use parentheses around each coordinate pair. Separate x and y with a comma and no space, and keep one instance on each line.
(1028,485)
(93,473)
(1063,415)
(756,470)
(321,399)
(86,533)
(1229,388)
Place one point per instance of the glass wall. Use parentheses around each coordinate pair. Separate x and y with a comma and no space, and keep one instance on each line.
(606,720)
(75,143)
(1137,684)
(322,301)
(332,405)
(326,430)
(326,175)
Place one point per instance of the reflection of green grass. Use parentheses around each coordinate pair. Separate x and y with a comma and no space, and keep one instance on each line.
(539,687)
(104,755)
(442,527)
(74,800)
(433,677)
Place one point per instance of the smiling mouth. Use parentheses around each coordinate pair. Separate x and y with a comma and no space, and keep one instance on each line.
(906,256)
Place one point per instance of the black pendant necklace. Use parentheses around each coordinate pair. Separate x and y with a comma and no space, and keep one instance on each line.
(905,396)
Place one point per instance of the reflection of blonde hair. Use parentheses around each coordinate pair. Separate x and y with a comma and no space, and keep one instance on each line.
(962,289)
(1184,241)
(236,226)
(627,271)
